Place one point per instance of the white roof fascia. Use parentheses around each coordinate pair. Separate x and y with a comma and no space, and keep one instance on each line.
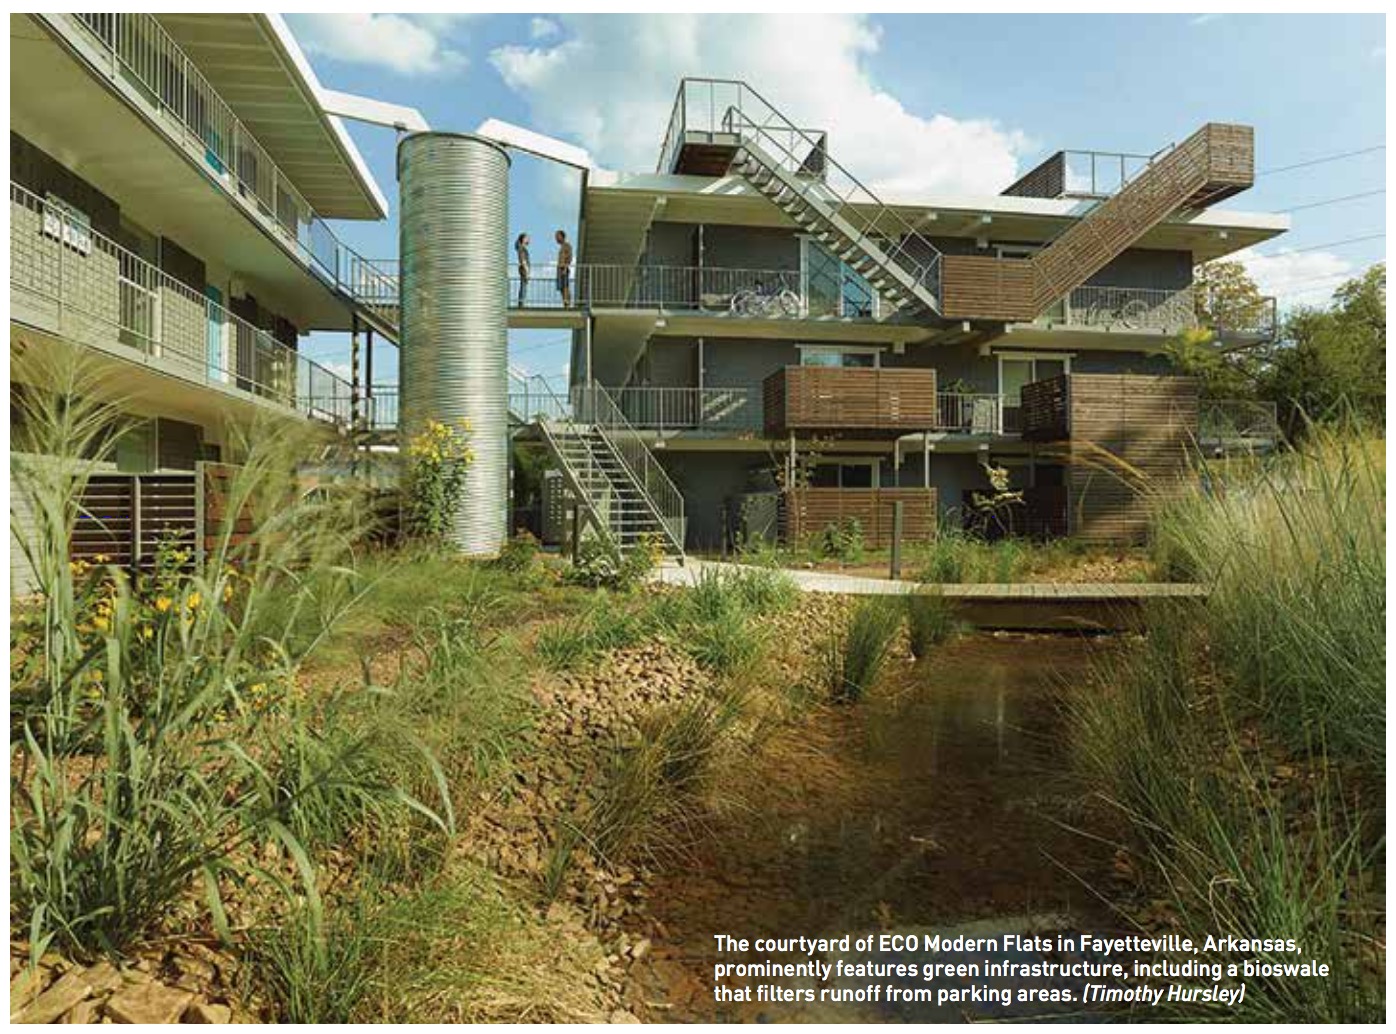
(283,36)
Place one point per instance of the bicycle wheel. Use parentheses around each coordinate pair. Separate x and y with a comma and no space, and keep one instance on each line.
(789,304)
(1134,313)
(741,303)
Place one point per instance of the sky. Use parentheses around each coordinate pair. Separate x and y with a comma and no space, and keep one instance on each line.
(915,104)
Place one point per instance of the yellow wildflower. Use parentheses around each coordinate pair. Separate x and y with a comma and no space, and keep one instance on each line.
(163,604)
(194,600)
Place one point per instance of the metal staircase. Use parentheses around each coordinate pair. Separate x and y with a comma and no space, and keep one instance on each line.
(792,167)
(622,490)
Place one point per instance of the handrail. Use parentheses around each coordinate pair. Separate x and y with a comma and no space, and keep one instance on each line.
(924,269)
(165,75)
(72,265)
(594,406)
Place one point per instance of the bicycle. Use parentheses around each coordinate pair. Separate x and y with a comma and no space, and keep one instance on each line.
(758,301)
(1129,314)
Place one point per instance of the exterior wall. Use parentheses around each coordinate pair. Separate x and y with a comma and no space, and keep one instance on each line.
(707,480)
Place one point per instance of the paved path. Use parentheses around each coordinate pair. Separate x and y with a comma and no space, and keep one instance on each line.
(671,573)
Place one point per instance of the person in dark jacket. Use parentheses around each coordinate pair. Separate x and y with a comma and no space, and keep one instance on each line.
(525,267)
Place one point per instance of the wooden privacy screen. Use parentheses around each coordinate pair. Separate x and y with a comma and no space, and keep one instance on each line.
(1131,441)
(850,398)
(126,517)
(808,511)
(1215,162)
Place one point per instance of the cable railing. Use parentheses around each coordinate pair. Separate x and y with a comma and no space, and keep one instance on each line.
(593,405)
(733,108)
(143,55)
(1125,308)
(1237,423)
(68,278)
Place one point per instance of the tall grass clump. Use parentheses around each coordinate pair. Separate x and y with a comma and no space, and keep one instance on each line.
(1236,840)
(957,556)
(141,704)
(1293,550)
(854,656)
(930,621)
(1244,743)
(714,621)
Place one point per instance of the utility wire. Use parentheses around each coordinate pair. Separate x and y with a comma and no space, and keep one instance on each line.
(1333,200)
(1320,161)
(1320,247)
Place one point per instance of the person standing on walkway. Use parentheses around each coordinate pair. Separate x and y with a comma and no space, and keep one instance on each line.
(564,269)
(525,267)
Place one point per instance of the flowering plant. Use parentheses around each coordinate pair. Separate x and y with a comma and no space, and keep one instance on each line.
(437,459)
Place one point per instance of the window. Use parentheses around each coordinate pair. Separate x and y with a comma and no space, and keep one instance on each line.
(67,223)
(1015,371)
(845,473)
(831,287)
(839,356)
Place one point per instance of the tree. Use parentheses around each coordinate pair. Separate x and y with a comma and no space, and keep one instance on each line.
(1227,299)
(1329,362)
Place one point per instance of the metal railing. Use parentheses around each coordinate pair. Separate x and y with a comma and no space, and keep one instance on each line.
(143,55)
(701,110)
(382,408)
(691,409)
(1237,422)
(971,413)
(593,405)
(745,293)
(1125,308)
(533,397)
(1239,322)
(1096,174)
(68,278)
(734,108)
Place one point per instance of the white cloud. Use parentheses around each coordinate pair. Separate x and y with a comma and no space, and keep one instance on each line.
(405,44)
(542,28)
(1287,273)
(1203,19)
(611,84)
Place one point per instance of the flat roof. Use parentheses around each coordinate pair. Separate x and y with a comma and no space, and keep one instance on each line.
(1210,233)
(255,64)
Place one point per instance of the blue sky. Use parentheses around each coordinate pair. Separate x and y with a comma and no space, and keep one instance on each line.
(1001,92)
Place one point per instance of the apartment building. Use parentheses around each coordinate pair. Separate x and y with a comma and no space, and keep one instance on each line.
(171,178)
(795,349)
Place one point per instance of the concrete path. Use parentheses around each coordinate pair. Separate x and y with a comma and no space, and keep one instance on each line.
(670,573)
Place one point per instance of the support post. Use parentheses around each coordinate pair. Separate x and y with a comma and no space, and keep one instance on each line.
(355,385)
(368,376)
(576,530)
(896,539)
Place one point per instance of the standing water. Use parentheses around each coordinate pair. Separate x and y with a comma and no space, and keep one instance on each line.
(939,802)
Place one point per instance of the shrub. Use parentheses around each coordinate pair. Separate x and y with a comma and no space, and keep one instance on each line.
(434,481)
(314,969)
(520,554)
(843,541)
(854,657)
(930,621)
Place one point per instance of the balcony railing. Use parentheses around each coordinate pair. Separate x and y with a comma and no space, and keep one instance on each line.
(703,105)
(734,410)
(68,279)
(138,50)
(976,414)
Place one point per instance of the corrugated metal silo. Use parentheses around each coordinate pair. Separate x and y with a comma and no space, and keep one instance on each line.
(453,247)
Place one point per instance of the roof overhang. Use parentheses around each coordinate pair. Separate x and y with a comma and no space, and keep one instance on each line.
(1208,234)
(256,66)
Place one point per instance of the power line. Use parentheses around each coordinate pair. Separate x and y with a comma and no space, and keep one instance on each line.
(1320,161)
(1320,247)
(1333,200)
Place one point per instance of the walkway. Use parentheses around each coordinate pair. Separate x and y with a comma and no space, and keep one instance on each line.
(1017,605)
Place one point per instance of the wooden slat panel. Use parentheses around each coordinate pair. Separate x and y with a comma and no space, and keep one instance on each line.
(808,511)
(843,399)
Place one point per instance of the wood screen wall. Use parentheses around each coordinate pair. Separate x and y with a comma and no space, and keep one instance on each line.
(808,511)
(821,398)
(1130,450)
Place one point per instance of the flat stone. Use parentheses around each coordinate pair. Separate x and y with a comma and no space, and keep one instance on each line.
(208,1012)
(148,1003)
(66,992)
(84,1012)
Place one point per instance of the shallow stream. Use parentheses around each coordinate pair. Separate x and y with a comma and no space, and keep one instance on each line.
(941,802)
